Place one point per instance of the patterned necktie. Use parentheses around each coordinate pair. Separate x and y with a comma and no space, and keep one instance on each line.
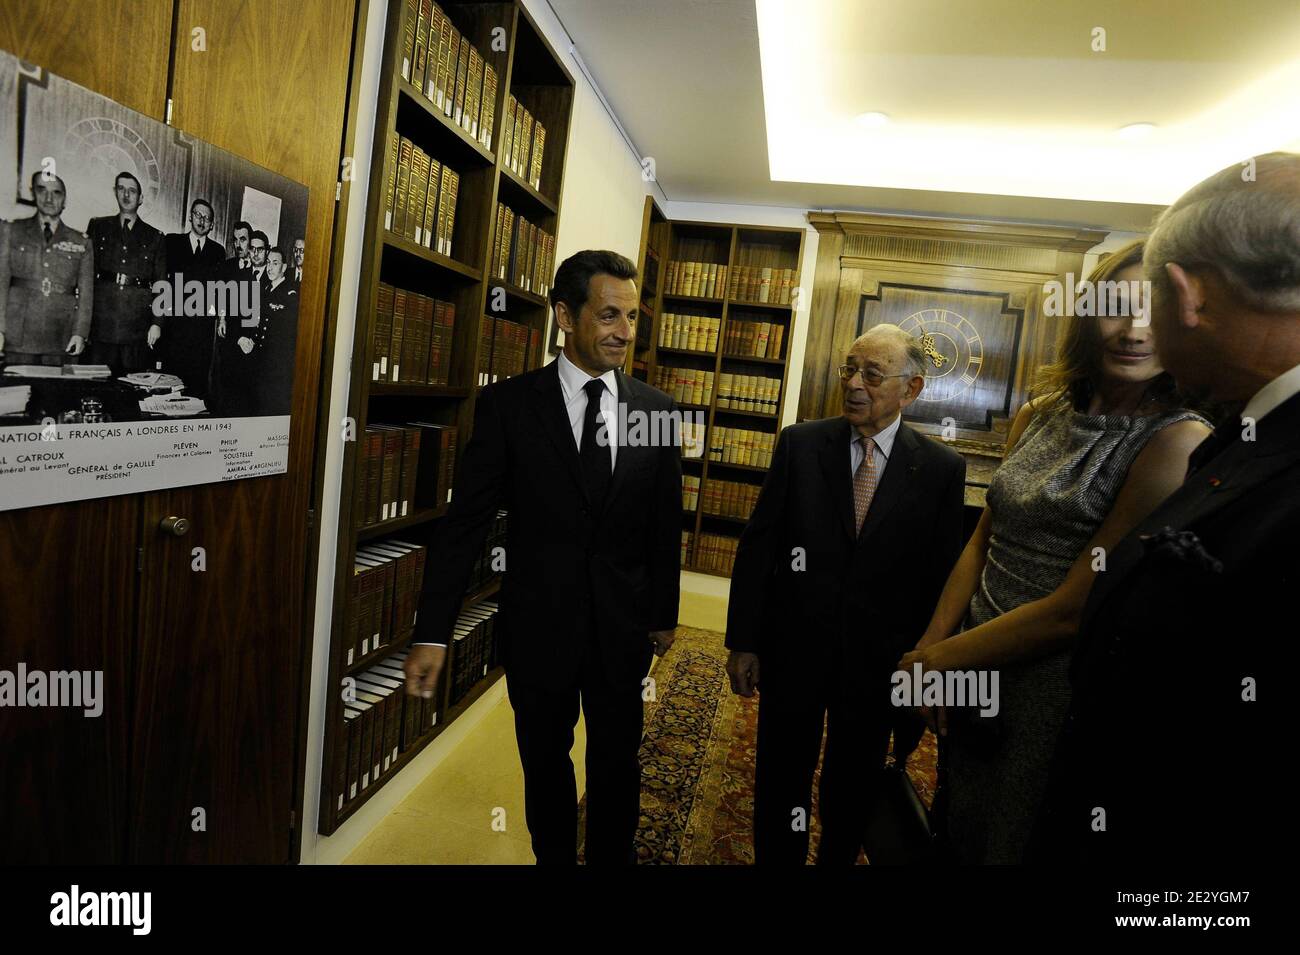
(594,456)
(864,481)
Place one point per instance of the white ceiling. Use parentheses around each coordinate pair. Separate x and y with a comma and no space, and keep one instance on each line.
(685,78)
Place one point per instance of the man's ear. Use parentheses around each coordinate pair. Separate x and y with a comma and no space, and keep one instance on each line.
(564,318)
(915,385)
(1189,290)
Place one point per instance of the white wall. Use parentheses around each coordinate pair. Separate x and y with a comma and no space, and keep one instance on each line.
(604,196)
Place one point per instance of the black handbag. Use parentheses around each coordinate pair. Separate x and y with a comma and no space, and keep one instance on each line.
(899,829)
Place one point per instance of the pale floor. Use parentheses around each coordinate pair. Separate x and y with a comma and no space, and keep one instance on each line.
(470,809)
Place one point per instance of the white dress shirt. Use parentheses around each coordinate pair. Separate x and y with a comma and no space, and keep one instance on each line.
(1277,391)
(884,444)
(572,381)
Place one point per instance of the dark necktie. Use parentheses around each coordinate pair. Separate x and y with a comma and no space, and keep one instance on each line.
(49,233)
(593,454)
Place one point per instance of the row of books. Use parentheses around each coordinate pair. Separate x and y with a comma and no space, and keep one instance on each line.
(689,332)
(412,336)
(650,280)
(705,279)
(448,70)
(686,547)
(492,562)
(523,143)
(506,348)
(740,446)
(687,385)
(380,723)
(729,498)
(420,198)
(384,595)
(523,253)
(755,283)
(404,467)
(753,339)
(473,648)
(716,553)
(749,393)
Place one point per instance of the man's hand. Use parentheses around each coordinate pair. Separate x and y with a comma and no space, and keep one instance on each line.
(742,670)
(155,333)
(221,327)
(423,668)
(76,345)
(245,344)
(663,640)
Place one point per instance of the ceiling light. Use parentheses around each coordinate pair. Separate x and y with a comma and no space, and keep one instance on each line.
(1134,131)
(871,120)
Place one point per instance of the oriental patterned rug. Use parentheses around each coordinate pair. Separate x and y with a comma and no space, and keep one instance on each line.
(697,762)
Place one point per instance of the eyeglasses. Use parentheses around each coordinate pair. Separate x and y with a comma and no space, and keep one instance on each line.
(869,375)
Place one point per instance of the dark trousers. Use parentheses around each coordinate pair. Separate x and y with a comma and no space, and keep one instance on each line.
(792,714)
(123,359)
(545,715)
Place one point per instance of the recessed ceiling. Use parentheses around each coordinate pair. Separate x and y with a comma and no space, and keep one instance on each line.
(997,108)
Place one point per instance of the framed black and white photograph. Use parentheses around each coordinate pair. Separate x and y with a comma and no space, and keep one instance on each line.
(148,300)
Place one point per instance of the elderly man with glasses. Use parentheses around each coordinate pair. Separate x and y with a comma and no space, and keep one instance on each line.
(855,531)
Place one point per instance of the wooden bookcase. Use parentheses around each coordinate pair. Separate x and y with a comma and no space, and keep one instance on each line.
(528,68)
(664,241)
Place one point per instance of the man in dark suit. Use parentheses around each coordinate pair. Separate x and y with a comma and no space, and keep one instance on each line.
(1165,749)
(129,259)
(855,531)
(187,339)
(299,256)
(233,368)
(591,586)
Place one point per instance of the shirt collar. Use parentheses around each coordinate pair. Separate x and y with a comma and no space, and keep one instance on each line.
(572,378)
(1284,386)
(884,439)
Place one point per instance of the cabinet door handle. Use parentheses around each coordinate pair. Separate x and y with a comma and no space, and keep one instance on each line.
(176,526)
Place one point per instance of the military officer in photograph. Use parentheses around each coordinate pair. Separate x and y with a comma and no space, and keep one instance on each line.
(274,337)
(129,258)
(46,282)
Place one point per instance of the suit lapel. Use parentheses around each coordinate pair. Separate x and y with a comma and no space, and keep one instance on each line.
(555,422)
(1220,481)
(899,474)
(835,460)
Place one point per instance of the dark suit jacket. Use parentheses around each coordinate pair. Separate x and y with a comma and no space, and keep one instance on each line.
(1158,734)
(123,313)
(862,601)
(272,359)
(567,565)
(181,258)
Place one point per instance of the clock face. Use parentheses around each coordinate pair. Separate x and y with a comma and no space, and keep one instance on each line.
(954,352)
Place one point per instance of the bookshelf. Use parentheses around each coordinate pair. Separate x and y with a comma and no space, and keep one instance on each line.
(738,309)
(461,266)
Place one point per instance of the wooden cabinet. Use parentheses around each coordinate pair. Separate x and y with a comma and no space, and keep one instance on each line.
(203,688)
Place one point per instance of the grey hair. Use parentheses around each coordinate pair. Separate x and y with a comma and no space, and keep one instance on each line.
(913,353)
(1246,228)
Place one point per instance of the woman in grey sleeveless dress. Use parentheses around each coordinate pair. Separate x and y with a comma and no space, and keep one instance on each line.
(1085,463)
